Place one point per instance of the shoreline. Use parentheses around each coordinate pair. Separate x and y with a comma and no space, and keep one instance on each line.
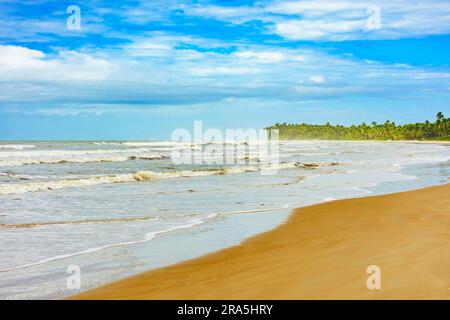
(320,252)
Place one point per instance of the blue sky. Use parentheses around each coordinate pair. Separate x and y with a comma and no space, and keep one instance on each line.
(141,69)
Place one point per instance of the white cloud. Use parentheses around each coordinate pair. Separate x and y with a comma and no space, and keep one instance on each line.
(73,112)
(337,20)
(314,8)
(262,56)
(167,73)
(21,63)
(149,48)
(186,77)
(239,14)
(17,57)
(222,70)
(317,79)
(313,30)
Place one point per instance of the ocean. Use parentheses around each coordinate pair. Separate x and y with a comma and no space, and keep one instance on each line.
(113,209)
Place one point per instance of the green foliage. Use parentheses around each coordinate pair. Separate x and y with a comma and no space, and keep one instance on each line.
(438,130)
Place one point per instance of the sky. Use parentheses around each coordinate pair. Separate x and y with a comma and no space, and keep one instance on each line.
(138,70)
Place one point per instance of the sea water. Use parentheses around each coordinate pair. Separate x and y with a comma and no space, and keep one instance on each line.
(113,209)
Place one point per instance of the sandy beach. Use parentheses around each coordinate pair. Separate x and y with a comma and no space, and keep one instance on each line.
(321,252)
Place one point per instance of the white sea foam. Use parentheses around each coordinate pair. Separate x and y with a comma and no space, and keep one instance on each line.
(188,143)
(21,162)
(154,144)
(147,237)
(17,146)
(99,180)
(68,153)
(16,188)
(64,256)
(103,143)
(13,159)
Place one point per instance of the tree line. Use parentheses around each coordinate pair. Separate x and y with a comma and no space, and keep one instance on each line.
(437,130)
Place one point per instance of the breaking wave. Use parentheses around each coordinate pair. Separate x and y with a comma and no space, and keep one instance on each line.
(140,176)
(17,146)
(14,159)
(99,180)
(154,144)
(21,162)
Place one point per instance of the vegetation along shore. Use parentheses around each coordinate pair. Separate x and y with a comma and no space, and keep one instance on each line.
(438,130)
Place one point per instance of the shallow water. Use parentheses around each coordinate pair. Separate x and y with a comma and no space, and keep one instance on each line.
(118,208)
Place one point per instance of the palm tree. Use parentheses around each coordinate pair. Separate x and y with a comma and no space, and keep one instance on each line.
(439,123)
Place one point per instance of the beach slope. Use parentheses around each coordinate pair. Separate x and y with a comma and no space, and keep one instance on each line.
(321,252)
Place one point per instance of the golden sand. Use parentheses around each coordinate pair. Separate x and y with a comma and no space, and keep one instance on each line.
(321,252)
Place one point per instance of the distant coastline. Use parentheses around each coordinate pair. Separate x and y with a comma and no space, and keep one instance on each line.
(389,131)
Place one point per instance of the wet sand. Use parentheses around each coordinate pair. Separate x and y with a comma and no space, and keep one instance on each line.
(321,252)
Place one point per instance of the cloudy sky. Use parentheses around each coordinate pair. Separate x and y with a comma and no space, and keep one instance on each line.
(140,69)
